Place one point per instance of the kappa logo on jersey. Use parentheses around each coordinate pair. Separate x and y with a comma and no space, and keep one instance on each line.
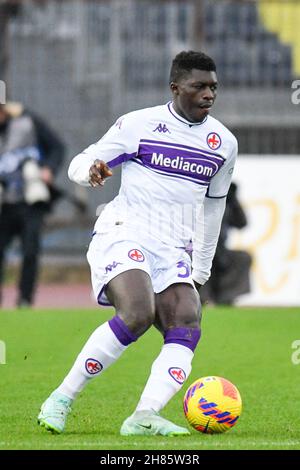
(112,266)
(177,374)
(161,128)
(136,255)
(119,123)
(213,141)
(93,366)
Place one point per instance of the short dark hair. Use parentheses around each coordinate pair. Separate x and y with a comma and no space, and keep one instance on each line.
(185,61)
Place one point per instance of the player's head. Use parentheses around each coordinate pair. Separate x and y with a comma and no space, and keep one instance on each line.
(193,82)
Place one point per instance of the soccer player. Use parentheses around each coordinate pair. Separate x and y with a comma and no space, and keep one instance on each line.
(177,163)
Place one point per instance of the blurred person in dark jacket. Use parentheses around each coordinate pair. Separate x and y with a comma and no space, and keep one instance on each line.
(230,269)
(30,156)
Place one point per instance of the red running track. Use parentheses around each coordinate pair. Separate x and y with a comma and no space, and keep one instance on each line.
(54,296)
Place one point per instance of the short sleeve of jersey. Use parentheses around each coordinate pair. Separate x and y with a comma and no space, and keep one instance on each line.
(119,144)
(220,183)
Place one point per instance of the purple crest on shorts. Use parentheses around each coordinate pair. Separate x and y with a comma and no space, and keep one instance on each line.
(136,255)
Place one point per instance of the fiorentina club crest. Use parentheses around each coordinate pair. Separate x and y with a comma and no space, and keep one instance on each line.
(93,366)
(136,255)
(213,140)
(177,374)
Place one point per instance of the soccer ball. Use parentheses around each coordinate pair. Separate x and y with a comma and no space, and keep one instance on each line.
(212,405)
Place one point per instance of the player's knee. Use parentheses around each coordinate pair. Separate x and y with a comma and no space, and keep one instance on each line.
(188,337)
(189,315)
(184,329)
(138,316)
(190,318)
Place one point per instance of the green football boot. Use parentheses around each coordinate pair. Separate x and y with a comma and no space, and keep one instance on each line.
(54,412)
(149,423)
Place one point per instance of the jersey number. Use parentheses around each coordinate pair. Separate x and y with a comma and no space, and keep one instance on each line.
(185,269)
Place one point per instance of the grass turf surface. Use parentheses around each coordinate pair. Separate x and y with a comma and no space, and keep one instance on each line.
(250,347)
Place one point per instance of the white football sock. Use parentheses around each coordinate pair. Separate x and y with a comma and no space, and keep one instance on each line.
(100,351)
(168,373)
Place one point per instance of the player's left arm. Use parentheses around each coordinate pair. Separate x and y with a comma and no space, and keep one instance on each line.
(206,238)
(209,220)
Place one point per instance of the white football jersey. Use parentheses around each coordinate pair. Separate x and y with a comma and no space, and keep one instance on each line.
(171,168)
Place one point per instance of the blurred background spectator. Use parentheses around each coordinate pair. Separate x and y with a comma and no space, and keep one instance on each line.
(230,274)
(30,155)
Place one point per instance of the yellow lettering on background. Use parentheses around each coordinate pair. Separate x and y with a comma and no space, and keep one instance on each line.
(264,285)
(274,219)
(294,246)
(273,224)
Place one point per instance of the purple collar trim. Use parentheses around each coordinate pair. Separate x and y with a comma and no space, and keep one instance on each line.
(181,119)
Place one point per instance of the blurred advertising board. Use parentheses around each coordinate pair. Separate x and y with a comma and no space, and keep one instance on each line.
(269,190)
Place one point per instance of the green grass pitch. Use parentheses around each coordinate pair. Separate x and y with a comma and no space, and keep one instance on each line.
(250,347)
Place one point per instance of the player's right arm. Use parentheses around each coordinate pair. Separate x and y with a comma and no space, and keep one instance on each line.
(118,145)
(98,173)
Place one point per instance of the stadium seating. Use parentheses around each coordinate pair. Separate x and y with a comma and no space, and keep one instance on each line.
(246,51)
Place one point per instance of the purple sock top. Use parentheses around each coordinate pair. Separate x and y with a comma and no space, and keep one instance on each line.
(122,332)
(187,337)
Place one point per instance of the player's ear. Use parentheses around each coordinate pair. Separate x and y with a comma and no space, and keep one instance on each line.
(174,88)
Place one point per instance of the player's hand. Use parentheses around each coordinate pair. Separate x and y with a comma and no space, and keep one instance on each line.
(99,171)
